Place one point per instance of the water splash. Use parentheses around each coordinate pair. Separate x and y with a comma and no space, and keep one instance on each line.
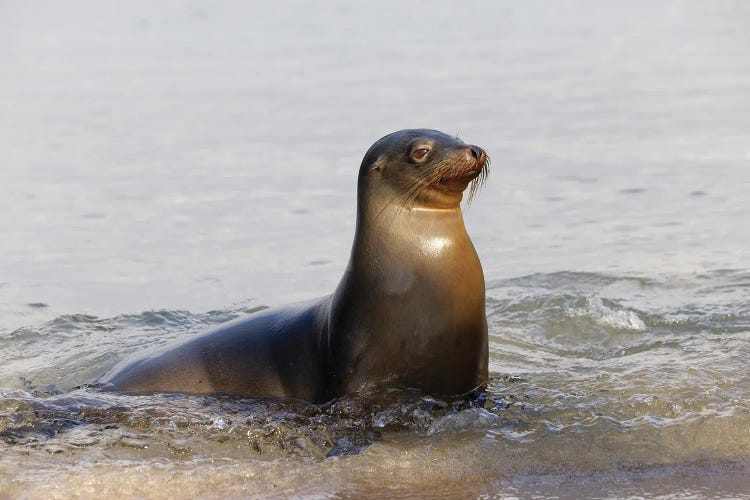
(607,317)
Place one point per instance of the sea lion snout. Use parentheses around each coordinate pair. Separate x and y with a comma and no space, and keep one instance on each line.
(478,155)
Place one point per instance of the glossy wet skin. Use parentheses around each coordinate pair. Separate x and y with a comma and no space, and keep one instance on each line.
(409,311)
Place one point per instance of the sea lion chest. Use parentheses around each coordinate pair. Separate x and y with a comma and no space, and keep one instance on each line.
(410,310)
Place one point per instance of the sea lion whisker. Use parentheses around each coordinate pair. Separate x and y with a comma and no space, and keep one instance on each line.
(400,199)
(420,184)
(478,182)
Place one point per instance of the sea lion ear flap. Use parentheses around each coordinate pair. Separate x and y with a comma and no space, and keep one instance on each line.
(377,165)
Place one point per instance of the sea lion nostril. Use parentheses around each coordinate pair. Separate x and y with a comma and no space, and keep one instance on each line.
(475,152)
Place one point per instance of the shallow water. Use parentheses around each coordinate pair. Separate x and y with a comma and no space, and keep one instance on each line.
(167,168)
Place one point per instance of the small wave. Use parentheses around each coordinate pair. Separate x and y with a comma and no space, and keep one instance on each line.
(195,424)
(544,318)
(607,317)
(72,349)
(468,419)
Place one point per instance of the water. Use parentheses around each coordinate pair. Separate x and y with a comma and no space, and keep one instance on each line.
(164,168)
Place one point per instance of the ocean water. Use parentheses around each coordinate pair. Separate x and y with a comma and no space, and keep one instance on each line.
(168,167)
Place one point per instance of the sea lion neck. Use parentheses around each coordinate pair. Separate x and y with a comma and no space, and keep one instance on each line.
(389,235)
(377,199)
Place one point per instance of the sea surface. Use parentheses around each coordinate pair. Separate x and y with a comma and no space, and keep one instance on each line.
(168,166)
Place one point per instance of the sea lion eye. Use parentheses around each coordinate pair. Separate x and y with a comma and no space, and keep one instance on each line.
(420,153)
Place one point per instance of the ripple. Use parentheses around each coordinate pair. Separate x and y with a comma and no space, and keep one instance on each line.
(72,349)
(198,425)
(596,310)
(591,372)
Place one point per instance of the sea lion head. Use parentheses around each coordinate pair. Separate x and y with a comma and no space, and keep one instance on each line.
(422,168)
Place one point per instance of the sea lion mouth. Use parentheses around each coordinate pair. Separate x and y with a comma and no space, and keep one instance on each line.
(470,171)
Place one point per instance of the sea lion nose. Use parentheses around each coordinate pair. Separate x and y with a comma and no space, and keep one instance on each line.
(477,153)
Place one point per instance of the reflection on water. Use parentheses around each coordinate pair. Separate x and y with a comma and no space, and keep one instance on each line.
(198,156)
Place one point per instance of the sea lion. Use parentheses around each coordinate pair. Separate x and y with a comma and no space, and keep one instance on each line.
(409,311)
